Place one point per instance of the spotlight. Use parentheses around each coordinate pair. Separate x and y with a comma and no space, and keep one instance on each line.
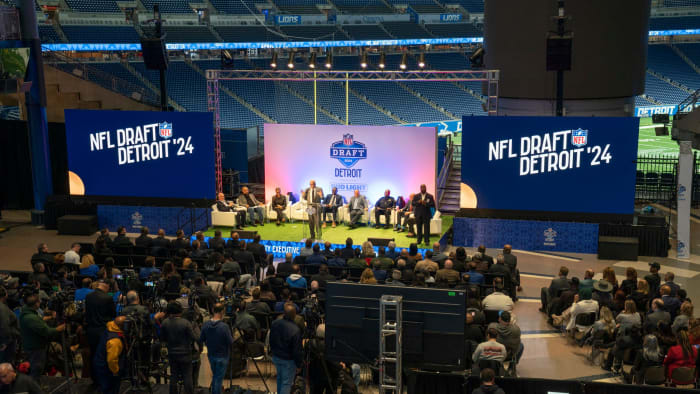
(421,60)
(477,58)
(312,60)
(402,65)
(273,62)
(329,59)
(382,59)
(226,59)
(363,60)
(290,62)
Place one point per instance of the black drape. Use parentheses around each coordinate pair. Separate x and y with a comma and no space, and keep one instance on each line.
(653,240)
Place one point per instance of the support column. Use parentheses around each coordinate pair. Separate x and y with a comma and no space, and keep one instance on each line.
(684,191)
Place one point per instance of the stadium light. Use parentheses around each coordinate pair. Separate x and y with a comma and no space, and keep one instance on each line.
(290,62)
(421,60)
(329,59)
(273,62)
(382,61)
(312,60)
(363,60)
(402,65)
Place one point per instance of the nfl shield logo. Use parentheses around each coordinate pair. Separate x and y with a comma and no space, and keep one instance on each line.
(165,130)
(579,137)
(347,139)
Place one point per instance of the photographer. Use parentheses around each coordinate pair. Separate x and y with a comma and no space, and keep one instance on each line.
(245,321)
(110,357)
(217,336)
(323,374)
(179,336)
(99,310)
(134,306)
(35,334)
(9,330)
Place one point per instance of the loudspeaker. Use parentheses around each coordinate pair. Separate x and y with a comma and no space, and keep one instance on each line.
(559,53)
(661,130)
(651,220)
(660,118)
(380,241)
(246,234)
(155,56)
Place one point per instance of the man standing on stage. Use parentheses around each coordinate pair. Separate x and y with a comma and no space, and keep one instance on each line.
(331,204)
(357,204)
(279,204)
(383,207)
(247,200)
(422,202)
(313,196)
(226,206)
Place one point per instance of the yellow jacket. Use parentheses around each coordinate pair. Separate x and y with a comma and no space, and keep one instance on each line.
(114,348)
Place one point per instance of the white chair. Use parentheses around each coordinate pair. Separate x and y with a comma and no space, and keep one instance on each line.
(298,211)
(435,224)
(216,287)
(224,219)
(382,219)
(272,214)
(344,213)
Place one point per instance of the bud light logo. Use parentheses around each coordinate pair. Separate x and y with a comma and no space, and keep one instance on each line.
(348,151)
(165,130)
(288,19)
(579,138)
(681,193)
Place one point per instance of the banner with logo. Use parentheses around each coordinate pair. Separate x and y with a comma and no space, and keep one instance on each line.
(448,18)
(550,164)
(140,153)
(526,235)
(685,187)
(134,218)
(370,159)
(288,19)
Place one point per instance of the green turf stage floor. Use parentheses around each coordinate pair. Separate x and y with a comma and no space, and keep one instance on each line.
(295,232)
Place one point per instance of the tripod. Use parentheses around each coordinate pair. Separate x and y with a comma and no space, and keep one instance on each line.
(248,356)
(67,362)
(139,380)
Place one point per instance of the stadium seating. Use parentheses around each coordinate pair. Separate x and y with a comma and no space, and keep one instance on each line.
(300,7)
(93,5)
(247,33)
(313,32)
(663,91)
(398,101)
(454,30)
(674,23)
(187,34)
(362,7)
(96,34)
(47,33)
(169,6)
(366,32)
(447,95)
(406,30)
(235,7)
(679,3)
(474,6)
(662,59)
(431,8)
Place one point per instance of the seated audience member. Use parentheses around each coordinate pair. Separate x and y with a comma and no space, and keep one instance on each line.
(307,250)
(384,206)
(509,335)
(216,276)
(558,285)
(244,257)
(602,292)
(447,277)
(640,296)
(149,269)
(629,315)
(391,251)
(511,262)
(582,304)
(694,331)
(330,205)
(384,262)
(180,242)
(629,285)
(197,251)
(254,207)
(671,303)
(566,298)
(256,305)
(72,255)
(482,265)
(285,296)
(368,251)
(336,260)
(474,275)
(279,204)
(609,275)
(664,333)
(683,296)
(88,266)
(668,281)
(488,383)
(234,242)
(295,280)
(12,382)
(618,302)
(316,258)
(683,354)
(438,256)
(604,328)
(39,275)
(406,273)
(473,330)
(427,264)
(587,281)
(490,350)
(160,244)
(323,277)
(628,337)
(379,273)
(367,277)
(327,251)
(501,268)
(42,255)
(199,236)
(144,240)
(653,279)
(498,301)
(84,290)
(348,251)
(121,240)
(395,279)
(286,268)
(357,261)
(650,356)
(682,321)
(413,256)
(266,293)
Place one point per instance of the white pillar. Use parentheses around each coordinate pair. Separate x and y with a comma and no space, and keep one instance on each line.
(685,182)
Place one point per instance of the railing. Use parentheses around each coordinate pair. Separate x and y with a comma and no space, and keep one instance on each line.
(187,218)
(688,104)
(83,71)
(445,171)
(657,180)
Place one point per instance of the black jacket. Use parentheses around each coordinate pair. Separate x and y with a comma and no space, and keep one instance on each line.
(121,240)
(244,259)
(285,340)
(22,384)
(423,210)
(99,309)
(180,243)
(143,241)
(558,284)
(258,252)
(493,389)
(284,269)
(347,253)
(159,242)
(179,335)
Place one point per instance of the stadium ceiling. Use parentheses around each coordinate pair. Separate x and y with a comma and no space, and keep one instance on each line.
(303,44)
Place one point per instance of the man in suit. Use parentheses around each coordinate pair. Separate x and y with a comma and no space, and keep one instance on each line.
(180,242)
(313,196)
(501,269)
(244,258)
(383,207)
(286,268)
(217,242)
(558,285)
(143,240)
(323,276)
(447,277)
(316,257)
(347,252)
(279,204)
(258,251)
(121,240)
(331,204)
(512,263)
(247,200)
(357,205)
(160,244)
(422,203)
(227,206)
(489,259)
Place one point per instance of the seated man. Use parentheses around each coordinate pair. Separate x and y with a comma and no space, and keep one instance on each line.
(498,301)
(558,285)
(357,206)
(384,206)
(403,219)
(331,204)
(491,350)
(227,206)
(247,200)
(279,204)
(509,335)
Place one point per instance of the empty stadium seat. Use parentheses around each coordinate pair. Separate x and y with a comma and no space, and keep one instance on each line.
(98,34)
(248,33)
(48,34)
(235,7)
(663,60)
(169,6)
(366,32)
(363,7)
(313,32)
(406,30)
(93,5)
(674,23)
(454,30)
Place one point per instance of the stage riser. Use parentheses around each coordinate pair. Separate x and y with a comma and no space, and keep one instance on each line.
(169,219)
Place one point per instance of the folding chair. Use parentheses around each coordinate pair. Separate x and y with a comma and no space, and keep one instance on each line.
(683,376)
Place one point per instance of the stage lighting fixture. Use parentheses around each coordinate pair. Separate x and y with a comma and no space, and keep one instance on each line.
(477,58)
(382,61)
(421,60)
(329,59)
(402,65)
(273,62)
(363,60)
(312,60)
(290,61)
(226,59)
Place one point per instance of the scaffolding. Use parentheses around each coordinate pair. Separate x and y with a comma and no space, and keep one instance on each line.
(390,360)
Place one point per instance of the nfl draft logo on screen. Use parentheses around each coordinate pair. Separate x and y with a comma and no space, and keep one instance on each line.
(579,138)
(165,130)
(348,151)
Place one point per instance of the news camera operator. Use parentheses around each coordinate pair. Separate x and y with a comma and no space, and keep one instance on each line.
(99,310)
(178,334)
(110,357)
(134,306)
(323,374)
(36,335)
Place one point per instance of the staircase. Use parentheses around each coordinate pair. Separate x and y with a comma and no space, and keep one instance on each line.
(427,101)
(685,58)
(376,106)
(150,85)
(450,180)
(310,102)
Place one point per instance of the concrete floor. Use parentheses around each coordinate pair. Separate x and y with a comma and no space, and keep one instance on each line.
(547,353)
